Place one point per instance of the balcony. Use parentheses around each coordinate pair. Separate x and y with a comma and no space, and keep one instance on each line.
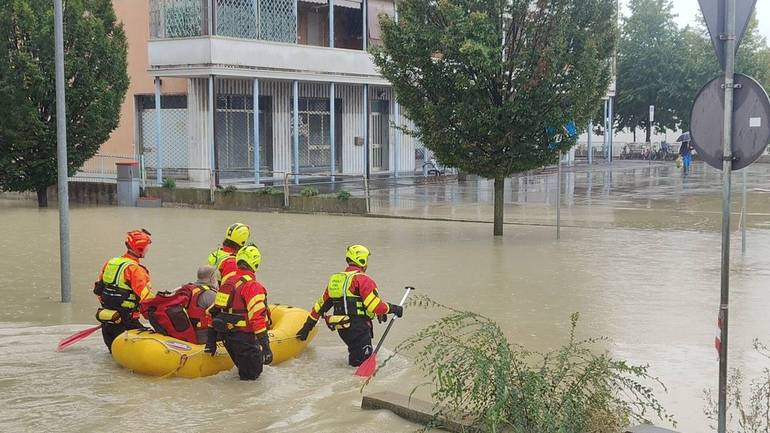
(270,38)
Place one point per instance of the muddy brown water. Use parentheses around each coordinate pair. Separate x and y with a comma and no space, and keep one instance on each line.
(654,293)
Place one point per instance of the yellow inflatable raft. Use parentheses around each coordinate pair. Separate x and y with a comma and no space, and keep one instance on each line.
(154,354)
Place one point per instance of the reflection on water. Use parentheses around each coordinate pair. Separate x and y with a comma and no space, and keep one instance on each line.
(629,195)
(653,292)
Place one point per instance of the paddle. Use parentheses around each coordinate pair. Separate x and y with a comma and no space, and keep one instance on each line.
(72,339)
(366,369)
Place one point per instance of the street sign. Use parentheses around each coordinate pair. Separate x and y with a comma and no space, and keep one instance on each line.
(714,14)
(751,114)
(652,113)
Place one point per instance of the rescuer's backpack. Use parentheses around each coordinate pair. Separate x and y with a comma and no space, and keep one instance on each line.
(167,315)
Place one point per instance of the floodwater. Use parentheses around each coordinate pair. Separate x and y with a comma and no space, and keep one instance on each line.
(652,288)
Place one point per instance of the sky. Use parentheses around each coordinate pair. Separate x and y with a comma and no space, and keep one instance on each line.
(688,11)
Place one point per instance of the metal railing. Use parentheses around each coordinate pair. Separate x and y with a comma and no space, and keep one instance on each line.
(101,168)
(270,20)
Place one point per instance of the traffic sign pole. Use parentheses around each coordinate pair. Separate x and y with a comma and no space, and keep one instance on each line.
(729,49)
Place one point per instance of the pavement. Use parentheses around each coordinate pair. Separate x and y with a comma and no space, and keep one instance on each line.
(628,194)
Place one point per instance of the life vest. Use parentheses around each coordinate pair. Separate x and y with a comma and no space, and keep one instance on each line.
(114,291)
(199,317)
(167,315)
(344,300)
(231,305)
(216,258)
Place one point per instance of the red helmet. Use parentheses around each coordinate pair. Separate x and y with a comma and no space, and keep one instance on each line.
(137,241)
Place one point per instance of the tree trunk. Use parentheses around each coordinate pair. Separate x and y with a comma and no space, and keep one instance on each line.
(499,203)
(634,129)
(649,133)
(42,197)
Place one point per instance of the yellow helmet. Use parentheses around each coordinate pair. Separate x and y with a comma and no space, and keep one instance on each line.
(250,255)
(238,233)
(358,254)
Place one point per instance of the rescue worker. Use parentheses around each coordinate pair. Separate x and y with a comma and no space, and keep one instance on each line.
(240,316)
(123,282)
(223,259)
(353,294)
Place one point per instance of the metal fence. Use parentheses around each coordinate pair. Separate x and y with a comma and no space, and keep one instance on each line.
(315,146)
(100,168)
(270,20)
(178,18)
(174,154)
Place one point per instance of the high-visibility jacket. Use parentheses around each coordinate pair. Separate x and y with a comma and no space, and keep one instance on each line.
(123,283)
(199,316)
(351,293)
(244,298)
(223,260)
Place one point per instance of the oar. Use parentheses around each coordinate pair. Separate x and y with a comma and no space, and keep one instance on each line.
(72,339)
(367,368)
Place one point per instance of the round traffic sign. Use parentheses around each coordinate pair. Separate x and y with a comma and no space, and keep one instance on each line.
(751,122)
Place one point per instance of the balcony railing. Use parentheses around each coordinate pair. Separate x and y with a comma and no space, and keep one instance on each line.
(179,18)
(269,20)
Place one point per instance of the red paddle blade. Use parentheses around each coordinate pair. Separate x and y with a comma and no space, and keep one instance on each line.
(72,339)
(366,369)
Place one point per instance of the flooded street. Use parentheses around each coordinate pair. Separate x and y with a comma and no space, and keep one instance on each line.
(642,268)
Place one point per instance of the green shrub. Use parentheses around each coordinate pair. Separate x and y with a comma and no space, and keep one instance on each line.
(309,191)
(750,412)
(169,183)
(343,195)
(269,191)
(474,370)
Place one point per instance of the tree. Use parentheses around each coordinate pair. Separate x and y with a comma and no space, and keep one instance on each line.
(698,65)
(95,52)
(489,83)
(647,66)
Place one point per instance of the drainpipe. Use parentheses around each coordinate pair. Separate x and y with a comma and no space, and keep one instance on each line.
(256,131)
(158,142)
(296,130)
(332,125)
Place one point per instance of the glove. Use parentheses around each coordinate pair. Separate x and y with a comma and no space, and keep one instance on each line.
(397,310)
(382,318)
(211,341)
(306,328)
(264,342)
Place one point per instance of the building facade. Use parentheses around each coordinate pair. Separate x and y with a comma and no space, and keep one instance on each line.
(250,91)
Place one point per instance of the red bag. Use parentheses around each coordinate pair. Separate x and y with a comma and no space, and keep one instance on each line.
(167,315)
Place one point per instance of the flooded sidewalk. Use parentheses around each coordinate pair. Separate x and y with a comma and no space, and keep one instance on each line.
(628,194)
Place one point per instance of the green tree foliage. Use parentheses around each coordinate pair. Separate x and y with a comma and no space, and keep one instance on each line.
(475,371)
(648,65)
(748,407)
(661,65)
(698,64)
(95,77)
(482,80)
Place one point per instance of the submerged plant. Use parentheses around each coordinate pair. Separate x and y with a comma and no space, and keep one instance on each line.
(269,190)
(309,191)
(477,374)
(745,413)
(169,183)
(343,195)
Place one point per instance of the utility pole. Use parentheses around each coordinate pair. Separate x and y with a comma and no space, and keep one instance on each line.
(727,154)
(61,156)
